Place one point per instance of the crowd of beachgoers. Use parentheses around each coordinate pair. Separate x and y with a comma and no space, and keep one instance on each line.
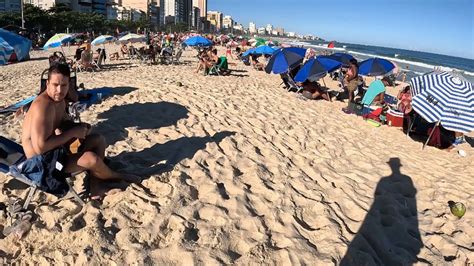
(247,150)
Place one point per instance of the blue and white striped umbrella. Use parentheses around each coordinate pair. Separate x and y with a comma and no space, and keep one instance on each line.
(5,51)
(445,98)
(102,39)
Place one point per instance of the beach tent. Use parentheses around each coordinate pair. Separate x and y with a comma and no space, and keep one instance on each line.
(444,98)
(21,46)
(5,51)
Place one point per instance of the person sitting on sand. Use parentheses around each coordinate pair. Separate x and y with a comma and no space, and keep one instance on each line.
(377,88)
(352,79)
(44,138)
(124,50)
(312,90)
(256,64)
(404,100)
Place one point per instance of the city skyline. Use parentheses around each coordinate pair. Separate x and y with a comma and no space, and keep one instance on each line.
(441,27)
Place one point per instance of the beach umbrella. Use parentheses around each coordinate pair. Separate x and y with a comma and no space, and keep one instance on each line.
(198,41)
(343,58)
(5,51)
(444,98)
(132,37)
(103,39)
(316,68)
(375,67)
(265,49)
(285,59)
(248,52)
(58,40)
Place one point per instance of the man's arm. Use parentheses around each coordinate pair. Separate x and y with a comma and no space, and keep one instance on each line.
(43,138)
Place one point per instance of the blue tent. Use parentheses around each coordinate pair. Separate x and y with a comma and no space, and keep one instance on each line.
(20,45)
(198,41)
(316,68)
(285,59)
(5,51)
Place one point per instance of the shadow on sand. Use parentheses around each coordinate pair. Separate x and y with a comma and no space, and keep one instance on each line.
(138,115)
(389,234)
(162,158)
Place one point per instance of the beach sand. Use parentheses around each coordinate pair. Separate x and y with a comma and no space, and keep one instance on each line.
(237,170)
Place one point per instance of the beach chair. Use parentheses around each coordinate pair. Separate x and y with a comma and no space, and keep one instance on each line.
(290,83)
(175,58)
(100,60)
(11,161)
(86,62)
(221,68)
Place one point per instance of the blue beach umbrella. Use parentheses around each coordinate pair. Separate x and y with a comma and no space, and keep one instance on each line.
(248,52)
(375,67)
(316,68)
(445,99)
(103,39)
(285,59)
(264,49)
(343,58)
(5,51)
(57,40)
(198,41)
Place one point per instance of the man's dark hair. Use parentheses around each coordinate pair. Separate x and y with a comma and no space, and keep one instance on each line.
(353,61)
(59,69)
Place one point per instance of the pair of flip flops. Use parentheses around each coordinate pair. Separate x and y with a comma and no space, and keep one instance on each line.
(19,219)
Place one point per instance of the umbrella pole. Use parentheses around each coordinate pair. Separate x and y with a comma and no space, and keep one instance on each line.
(431,134)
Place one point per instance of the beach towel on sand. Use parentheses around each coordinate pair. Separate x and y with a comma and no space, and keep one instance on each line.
(14,107)
(375,88)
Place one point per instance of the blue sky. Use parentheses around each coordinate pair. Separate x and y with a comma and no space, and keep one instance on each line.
(437,26)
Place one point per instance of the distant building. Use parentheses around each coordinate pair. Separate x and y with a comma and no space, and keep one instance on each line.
(216,19)
(291,34)
(227,22)
(269,29)
(280,31)
(261,31)
(10,5)
(252,28)
(175,11)
(97,6)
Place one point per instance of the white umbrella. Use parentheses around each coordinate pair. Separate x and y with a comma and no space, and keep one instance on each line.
(132,37)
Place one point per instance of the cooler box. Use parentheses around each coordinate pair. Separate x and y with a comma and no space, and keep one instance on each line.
(394,118)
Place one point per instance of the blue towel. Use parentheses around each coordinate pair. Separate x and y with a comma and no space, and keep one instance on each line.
(14,107)
(93,95)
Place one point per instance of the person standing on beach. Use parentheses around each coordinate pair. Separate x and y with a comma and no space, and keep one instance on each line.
(352,79)
(45,138)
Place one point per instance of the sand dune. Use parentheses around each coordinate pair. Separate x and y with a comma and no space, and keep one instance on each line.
(240,171)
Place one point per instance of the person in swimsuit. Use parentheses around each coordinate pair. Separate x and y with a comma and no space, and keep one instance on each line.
(43,133)
(352,79)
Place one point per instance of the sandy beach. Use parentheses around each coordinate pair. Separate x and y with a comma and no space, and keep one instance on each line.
(239,171)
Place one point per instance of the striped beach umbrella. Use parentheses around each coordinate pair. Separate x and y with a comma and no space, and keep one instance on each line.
(446,99)
(132,37)
(103,39)
(5,51)
(58,39)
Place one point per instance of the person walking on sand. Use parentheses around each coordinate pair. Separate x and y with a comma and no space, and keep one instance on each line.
(44,137)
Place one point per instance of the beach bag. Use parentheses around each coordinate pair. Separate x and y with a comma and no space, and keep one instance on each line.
(356,108)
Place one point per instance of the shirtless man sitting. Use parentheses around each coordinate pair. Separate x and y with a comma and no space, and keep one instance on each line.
(43,139)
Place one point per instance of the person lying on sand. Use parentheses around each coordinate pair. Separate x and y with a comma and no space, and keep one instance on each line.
(313,91)
(44,142)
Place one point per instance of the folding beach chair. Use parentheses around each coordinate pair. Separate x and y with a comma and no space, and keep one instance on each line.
(175,58)
(11,162)
(221,68)
(290,83)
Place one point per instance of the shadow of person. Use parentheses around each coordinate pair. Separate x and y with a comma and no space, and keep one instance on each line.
(139,115)
(389,234)
(162,158)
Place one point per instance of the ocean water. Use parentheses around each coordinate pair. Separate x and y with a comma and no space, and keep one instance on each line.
(413,62)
